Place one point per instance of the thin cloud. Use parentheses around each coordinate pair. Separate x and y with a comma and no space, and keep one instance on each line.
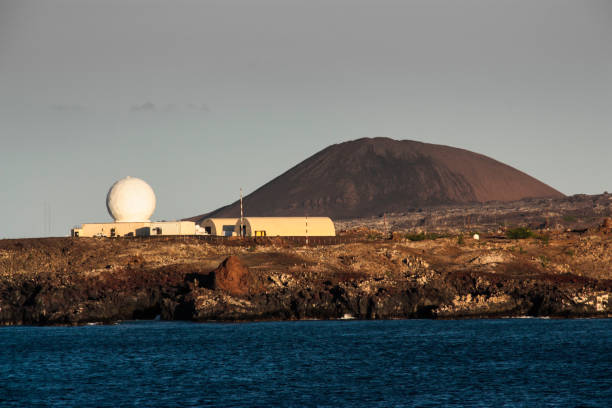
(170,107)
(66,107)
(198,108)
(145,107)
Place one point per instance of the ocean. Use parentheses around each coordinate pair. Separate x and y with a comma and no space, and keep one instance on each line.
(422,363)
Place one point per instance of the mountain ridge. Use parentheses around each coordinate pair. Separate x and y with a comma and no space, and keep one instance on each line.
(370,176)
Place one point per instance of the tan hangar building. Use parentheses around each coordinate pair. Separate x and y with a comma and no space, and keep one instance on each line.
(223,227)
(287,227)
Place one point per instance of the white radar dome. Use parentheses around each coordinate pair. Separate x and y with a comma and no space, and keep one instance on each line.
(130,200)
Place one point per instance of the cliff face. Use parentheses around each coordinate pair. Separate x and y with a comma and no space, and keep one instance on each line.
(369,176)
(77,281)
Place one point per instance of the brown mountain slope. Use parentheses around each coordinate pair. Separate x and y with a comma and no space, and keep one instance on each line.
(369,176)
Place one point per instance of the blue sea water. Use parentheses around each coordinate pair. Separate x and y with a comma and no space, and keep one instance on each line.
(427,363)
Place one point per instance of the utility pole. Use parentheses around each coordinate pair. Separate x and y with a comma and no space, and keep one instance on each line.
(241,213)
(307,230)
(385,222)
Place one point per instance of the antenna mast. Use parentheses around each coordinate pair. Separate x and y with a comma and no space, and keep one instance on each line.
(385,222)
(241,213)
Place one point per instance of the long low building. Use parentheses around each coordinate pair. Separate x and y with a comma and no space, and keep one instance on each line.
(134,229)
(287,227)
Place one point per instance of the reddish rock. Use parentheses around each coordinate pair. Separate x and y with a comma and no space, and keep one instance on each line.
(233,277)
(606,225)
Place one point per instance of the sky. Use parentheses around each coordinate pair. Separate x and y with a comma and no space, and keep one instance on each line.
(201,98)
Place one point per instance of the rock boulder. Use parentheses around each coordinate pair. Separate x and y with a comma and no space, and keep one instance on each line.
(233,277)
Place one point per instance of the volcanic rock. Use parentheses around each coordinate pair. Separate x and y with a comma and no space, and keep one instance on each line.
(368,177)
(65,280)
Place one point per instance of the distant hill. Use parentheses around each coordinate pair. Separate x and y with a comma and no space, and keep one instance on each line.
(366,177)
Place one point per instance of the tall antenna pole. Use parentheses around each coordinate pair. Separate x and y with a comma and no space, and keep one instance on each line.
(307,230)
(385,221)
(241,213)
(47,218)
(45,222)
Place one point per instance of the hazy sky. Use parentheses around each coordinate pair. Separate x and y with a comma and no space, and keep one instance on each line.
(199,98)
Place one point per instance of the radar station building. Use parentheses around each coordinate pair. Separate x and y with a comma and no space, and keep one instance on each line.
(131,202)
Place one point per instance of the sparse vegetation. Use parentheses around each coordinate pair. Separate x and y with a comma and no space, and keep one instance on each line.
(545,238)
(569,218)
(424,237)
(460,240)
(373,236)
(519,233)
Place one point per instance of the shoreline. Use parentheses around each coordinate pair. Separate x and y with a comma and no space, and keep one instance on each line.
(240,322)
(339,319)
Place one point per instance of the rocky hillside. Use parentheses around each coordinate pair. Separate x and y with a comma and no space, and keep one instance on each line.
(577,212)
(87,280)
(367,177)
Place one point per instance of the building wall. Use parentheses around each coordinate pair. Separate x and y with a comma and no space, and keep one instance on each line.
(221,226)
(288,226)
(173,228)
(138,229)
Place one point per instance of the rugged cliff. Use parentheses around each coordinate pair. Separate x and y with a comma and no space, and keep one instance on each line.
(77,281)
